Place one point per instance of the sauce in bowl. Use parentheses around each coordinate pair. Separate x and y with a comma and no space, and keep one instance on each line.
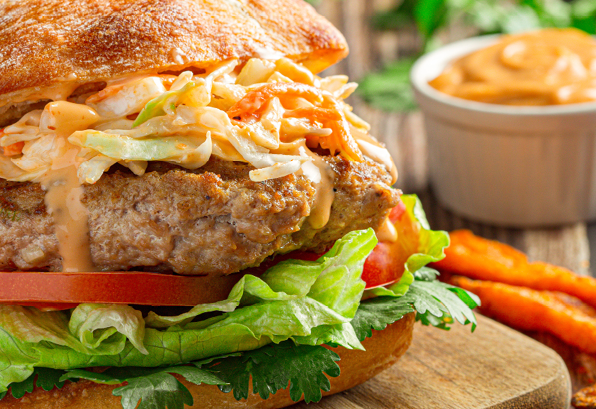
(545,67)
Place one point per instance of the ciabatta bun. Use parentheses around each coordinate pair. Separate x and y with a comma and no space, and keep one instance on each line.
(53,43)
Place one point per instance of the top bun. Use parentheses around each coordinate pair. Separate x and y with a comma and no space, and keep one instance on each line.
(65,43)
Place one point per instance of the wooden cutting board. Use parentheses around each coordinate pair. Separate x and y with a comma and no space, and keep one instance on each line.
(495,367)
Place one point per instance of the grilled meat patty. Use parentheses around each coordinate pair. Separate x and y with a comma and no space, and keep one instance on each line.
(214,220)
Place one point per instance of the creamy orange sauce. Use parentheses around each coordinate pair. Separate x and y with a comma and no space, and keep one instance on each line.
(321,175)
(63,202)
(545,67)
(386,232)
(57,92)
(64,190)
(321,210)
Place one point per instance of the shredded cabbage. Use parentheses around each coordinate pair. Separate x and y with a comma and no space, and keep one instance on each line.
(183,120)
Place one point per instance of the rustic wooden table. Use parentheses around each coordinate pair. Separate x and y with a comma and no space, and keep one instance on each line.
(403,133)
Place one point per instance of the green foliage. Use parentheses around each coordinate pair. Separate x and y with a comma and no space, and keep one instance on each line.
(45,378)
(302,368)
(377,313)
(390,88)
(434,302)
(159,390)
(149,388)
(274,367)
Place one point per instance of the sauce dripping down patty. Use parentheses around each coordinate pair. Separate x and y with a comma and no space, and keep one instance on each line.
(63,188)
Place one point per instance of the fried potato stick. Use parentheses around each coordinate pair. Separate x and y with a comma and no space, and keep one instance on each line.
(481,259)
(585,398)
(559,314)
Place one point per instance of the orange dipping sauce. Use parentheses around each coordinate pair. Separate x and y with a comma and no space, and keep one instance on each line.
(545,67)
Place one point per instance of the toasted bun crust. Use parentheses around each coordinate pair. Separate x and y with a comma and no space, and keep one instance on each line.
(383,349)
(49,42)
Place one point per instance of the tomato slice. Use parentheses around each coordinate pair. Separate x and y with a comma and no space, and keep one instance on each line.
(385,265)
(46,290)
(48,306)
(56,291)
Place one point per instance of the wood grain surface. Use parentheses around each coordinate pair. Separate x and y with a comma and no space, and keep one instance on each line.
(403,133)
(495,367)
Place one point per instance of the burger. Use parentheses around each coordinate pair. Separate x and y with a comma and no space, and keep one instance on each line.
(190,216)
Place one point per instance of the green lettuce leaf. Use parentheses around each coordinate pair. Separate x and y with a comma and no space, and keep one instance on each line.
(95,323)
(32,327)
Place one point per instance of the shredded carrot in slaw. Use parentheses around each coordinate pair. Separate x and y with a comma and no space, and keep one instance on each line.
(316,113)
(14,149)
(330,114)
(247,108)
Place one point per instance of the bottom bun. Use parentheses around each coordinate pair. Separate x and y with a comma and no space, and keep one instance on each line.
(383,349)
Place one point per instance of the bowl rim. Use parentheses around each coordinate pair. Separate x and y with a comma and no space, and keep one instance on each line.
(419,78)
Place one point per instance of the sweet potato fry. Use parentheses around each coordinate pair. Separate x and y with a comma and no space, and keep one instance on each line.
(585,398)
(474,257)
(523,308)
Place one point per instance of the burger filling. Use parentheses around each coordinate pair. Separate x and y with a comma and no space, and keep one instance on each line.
(295,156)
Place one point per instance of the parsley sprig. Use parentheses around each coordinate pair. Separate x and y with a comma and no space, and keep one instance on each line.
(274,367)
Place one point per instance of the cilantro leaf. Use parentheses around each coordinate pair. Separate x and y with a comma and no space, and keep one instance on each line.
(48,378)
(3,394)
(273,367)
(150,388)
(97,377)
(45,378)
(377,313)
(426,274)
(439,299)
(19,389)
(155,391)
(435,303)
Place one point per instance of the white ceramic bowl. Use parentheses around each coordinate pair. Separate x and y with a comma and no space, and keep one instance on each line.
(507,165)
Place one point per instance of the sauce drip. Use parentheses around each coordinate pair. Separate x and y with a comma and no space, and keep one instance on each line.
(63,188)
(321,210)
(63,202)
(386,232)
(321,174)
